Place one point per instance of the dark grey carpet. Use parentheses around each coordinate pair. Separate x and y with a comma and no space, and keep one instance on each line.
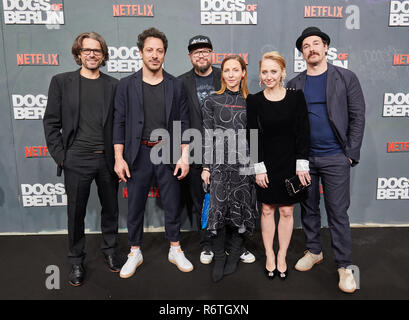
(381,254)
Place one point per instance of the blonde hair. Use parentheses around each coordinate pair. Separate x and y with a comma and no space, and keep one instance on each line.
(277,57)
(243,83)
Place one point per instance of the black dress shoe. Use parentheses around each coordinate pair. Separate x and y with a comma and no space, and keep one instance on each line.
(282,275)
(270,274)
(113,262)
(76,276)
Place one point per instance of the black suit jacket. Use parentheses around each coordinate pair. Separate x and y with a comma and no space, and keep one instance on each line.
(345,106)
(61,116)
(189,82)
(129,114)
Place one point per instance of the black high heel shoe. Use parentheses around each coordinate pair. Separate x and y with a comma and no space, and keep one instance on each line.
(270,274)
(282,275)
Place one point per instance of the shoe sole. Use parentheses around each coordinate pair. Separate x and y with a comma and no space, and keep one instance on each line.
(75,285)
(248,261)
(126,276)
(112,270)
(181,269)
(308,269)
(206,262)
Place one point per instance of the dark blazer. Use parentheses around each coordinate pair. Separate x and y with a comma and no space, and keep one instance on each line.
(189,82)
(346,108)
(129,115)
(61,116)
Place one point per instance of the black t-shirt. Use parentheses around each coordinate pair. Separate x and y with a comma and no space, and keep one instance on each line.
(90,134)
(204,87)
(154,108)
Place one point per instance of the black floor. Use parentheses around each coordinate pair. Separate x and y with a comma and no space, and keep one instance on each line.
(381,254)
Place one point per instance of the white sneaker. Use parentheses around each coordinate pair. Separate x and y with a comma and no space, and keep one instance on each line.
(247,257)
(135,259)
(177,257)
(346,280)
(308,261)
(206,256)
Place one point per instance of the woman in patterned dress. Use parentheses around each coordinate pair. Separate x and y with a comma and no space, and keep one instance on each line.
(232,191)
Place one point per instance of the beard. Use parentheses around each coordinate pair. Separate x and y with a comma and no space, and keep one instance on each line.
(92,68)
(151,67)
(202,69)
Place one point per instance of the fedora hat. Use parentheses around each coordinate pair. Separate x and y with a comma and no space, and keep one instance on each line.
(311,31)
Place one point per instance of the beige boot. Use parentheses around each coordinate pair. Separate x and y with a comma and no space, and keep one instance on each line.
(346,280)
(308,261)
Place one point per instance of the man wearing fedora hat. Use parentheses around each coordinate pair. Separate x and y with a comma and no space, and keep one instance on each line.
(336,109)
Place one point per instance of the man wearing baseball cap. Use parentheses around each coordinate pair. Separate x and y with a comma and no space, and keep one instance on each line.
(336,109)
(199,82)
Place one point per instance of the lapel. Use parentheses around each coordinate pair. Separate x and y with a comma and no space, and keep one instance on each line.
(332,78)
(191,80)
(301,81)
(74,97)
(107,98)
(168,82)
(136,97)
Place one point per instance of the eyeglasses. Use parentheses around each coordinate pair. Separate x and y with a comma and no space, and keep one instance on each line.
(87,51)
(204,53)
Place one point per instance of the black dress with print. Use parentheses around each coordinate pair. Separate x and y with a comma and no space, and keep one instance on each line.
(284,137)
(232,190)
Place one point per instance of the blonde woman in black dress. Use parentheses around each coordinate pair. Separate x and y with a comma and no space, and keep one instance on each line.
(281,117)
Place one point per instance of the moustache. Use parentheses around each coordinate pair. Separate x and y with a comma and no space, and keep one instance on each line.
(312,54)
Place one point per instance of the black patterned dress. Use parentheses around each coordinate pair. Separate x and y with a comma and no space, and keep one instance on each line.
(232,190)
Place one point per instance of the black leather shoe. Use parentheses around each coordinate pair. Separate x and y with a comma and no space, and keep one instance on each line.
(76,276)
(270,274)
(282,275)
(113,262)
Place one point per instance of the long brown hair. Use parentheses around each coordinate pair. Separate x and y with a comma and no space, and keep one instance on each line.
(243,84)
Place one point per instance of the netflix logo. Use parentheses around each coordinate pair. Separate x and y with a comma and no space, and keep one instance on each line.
(153,193)
(334,12)
(37,59)
(398,146)
(37,152)
(217,58)
(401,59)
(350,13)
(132,10)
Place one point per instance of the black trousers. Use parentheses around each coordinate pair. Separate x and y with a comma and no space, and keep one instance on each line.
(192,198)
(80,170)
(334,172)
(139,185)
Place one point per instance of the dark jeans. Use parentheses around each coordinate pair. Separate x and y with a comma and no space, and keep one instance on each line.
(334,172)
(139,185)
(80,170)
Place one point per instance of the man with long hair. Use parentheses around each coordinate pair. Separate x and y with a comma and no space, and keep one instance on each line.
(78,131)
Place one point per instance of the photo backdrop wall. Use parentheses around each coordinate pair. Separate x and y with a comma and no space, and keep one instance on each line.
(369,37)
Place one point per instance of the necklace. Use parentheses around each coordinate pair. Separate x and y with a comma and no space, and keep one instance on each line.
(279,95)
